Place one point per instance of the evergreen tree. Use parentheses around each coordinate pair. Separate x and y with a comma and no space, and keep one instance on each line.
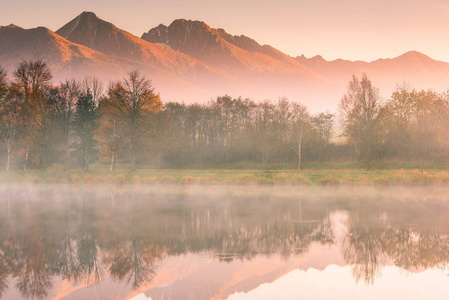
(85,125)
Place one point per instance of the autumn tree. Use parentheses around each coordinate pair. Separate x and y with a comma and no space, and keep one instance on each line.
(3,83)
(417,123)
(110,131)
(136,100)
(430,113)
(10,108)
(361,113)
(32,82)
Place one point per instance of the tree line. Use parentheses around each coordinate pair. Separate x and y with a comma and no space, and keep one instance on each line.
(78,122)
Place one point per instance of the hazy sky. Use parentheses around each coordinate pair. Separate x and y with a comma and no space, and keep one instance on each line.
(349,29)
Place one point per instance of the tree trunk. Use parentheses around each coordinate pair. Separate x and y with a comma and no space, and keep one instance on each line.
(43,156)
(8,159)
(299,150)
(66,153)
(27,154)
(133,157)
(112,168)
(44,160)
(83,158)
(86,160)
(368,156)
(159,158)
(133,161)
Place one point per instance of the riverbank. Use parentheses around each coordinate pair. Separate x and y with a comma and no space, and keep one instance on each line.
(257,177)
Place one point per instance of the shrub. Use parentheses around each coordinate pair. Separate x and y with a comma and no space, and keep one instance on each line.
(297,179)
(90,179)
(243,179)
(348,180)
(168,179)
(329,180)
(120,178)
(382,181)
(211,179)
(136,179)
(421,177)
(54,180)
(189,179)
(75,178)
(399,177)
(442,178)
(149,180)
(363,180)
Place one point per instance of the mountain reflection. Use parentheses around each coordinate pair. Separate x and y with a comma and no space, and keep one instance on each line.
(84,235)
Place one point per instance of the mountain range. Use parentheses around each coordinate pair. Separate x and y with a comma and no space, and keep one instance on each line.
(192,62)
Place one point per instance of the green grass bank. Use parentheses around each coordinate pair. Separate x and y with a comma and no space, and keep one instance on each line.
(318,176)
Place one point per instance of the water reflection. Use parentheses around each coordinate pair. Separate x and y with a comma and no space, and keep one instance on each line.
(85,235)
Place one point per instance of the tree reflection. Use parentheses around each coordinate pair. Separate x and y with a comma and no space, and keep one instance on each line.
(87,237)
(374,239)
(135,263)
(4,273)
(34,284)
(364,247)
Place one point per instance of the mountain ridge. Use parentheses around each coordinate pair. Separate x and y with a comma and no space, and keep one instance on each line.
(223,50)
(67,59)
(191,61)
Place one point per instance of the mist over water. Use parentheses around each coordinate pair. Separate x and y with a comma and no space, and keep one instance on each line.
(215,242)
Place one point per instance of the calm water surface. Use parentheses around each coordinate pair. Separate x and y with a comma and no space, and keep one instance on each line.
(223,242)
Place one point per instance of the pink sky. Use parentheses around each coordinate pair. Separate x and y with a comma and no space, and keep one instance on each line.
(348,29)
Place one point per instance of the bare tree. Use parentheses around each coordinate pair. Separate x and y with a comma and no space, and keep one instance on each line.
(68,94)
(361,113)
(94,86)
(265,133)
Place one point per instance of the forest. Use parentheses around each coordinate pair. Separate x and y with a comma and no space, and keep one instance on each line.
(79,122)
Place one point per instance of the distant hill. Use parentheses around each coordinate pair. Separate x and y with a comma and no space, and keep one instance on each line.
(413,67)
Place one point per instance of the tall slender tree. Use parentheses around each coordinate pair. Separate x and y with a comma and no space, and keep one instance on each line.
(300,124)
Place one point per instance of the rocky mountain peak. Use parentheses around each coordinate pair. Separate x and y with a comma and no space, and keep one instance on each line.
(12,26)
(187,36)
(87,29)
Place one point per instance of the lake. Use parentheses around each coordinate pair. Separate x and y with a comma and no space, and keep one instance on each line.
(223,242)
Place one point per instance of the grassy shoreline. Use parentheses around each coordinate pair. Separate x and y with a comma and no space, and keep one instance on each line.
(258,177)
